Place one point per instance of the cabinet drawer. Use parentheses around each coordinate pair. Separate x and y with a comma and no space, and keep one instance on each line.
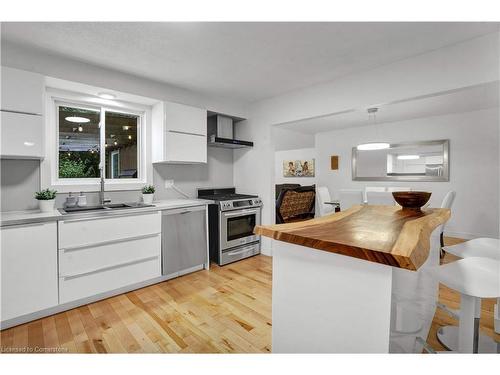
(22,135)
(86,285)
(89,259)
(90,231)
(185,148)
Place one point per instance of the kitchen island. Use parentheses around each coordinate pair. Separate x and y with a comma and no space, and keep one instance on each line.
(358,281)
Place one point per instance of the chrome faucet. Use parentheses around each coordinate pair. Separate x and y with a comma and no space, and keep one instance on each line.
(102,201)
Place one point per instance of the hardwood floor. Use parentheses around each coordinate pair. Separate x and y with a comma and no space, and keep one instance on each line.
(226,310)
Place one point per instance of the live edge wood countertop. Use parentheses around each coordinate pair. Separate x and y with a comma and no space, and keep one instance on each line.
(381,234)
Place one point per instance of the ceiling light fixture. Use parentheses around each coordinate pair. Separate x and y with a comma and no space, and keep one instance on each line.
(116,143)
(129,137)
(80,128)
(370,146)
(373,146)
(408,157)
(125,127)
(78,120)
(106,95)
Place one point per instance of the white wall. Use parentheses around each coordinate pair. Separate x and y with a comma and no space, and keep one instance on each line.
(474,165)
(464,64)
(218,172)
(286,139)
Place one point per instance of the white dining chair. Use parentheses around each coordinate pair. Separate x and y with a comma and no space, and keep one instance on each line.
(488,248)
(381,198)
(474,278)
(372,188)
(349,198)
(448,200)
(323,197)
(398,188)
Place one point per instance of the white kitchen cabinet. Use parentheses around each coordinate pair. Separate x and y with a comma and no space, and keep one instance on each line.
(22,136)
(179,134)
(22,91)
(28,269)
(99,255)
(185,119)
(75,233)
(185,148)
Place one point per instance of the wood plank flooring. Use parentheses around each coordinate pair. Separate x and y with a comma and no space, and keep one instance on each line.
(225,310)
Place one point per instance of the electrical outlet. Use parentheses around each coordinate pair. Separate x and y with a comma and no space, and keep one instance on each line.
(169,184)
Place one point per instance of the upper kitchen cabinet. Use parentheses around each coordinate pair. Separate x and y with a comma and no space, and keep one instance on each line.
(22,120)
(22,91)
(179,134)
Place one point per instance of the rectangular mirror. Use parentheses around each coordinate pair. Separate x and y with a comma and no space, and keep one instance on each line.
(411,161)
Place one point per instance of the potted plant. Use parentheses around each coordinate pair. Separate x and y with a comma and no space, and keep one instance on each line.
(147,194)
(46,199)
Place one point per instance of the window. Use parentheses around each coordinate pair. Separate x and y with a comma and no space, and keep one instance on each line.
(79,142)
(90,137)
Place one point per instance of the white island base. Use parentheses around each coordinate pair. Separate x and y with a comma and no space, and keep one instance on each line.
(329,303)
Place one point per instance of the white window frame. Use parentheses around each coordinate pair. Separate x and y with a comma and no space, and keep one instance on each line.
(50,165)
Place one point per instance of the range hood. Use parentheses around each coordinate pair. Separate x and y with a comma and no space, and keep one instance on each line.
(220,133)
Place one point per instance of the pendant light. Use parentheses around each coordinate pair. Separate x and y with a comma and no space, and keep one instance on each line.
(370,146)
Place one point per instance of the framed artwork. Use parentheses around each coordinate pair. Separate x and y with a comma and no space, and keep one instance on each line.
(298,168)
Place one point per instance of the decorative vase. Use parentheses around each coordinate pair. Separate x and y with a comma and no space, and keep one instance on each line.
(147,198)
(47,205)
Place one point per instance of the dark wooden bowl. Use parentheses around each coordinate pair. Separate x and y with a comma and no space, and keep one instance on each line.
(411,200)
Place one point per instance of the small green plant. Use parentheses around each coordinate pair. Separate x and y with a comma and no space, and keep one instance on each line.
(148,189)
(45,195)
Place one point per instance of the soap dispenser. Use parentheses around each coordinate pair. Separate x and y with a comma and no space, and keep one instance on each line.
(71,200)
(82,200)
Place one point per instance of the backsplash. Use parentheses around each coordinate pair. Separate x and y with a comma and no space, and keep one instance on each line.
(19,180)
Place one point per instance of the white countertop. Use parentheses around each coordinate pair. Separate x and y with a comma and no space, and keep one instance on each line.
(35,216)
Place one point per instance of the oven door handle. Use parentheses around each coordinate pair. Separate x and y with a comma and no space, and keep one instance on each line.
(242,250)
(240,213)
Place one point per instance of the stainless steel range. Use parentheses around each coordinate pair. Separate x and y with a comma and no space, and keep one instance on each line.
(231,221)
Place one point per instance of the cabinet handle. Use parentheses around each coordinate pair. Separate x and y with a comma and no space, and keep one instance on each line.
(241,251)
(21,112)
(104,243)
(109,268)
(187,133)
(109,215)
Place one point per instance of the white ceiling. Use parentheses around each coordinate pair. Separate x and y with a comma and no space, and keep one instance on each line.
(456,101)
(245,61)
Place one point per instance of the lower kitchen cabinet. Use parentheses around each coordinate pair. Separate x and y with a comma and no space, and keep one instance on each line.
(184,240)
(28,269)
(99,255)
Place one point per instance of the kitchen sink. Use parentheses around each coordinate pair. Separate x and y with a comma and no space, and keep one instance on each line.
(102,208)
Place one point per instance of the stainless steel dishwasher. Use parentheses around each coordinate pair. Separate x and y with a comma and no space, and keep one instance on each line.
(184,240)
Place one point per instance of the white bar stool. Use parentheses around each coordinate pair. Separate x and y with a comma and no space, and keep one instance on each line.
(479,247)
(474,278)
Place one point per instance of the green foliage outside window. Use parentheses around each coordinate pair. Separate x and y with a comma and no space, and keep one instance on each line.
(78,165)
